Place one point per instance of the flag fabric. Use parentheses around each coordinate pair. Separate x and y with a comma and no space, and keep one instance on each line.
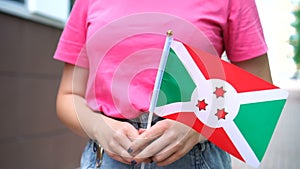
(232,108)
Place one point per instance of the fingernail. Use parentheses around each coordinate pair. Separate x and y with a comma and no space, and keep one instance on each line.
(130,150)
(133,162)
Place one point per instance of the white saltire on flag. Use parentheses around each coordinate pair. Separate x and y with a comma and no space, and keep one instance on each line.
(235,110)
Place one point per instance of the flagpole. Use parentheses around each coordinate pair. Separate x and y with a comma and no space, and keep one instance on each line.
(161,69)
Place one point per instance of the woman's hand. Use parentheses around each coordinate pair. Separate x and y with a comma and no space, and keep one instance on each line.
(165,142)
(116,137)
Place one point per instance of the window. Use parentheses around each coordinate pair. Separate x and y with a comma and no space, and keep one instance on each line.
(55,9)
(72,2)
(54,12)
(21,1)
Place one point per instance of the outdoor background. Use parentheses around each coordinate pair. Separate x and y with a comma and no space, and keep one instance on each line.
(284,150)
(31,136)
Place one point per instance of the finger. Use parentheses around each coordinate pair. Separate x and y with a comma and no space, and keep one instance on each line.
(164,154)
(123,139)
(148,136)
(116,151)
(152,149)
(173,152)
(170,159)
(118,145)
(118,158)
(145,160)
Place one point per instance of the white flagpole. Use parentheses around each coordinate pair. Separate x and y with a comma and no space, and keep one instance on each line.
(158,79)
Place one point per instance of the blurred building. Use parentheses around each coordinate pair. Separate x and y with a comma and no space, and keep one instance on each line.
(31,136)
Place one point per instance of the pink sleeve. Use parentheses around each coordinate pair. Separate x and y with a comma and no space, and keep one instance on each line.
(70,48)
(244,37)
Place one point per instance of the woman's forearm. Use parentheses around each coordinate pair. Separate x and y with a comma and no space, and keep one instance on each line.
(67,111)
(258,66)
(71,105)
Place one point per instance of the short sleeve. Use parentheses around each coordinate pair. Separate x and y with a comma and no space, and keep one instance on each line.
(71,45)
(243,36)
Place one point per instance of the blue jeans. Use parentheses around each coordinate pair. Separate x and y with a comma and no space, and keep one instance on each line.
(203,156)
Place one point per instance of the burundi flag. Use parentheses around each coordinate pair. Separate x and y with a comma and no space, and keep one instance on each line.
(235,110)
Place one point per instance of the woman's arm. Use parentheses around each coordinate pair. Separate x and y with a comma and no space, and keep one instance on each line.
(258,66)
(114,136)
(71,93)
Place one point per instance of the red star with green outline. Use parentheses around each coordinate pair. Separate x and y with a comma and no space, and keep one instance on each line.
(221,114)
(202,105)
(219,92)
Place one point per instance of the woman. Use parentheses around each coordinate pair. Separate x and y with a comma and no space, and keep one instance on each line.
(104,97)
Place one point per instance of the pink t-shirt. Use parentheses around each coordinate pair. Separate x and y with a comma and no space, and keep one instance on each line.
(120,42)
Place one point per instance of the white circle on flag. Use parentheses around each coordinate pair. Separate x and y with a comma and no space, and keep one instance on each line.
(219,102)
